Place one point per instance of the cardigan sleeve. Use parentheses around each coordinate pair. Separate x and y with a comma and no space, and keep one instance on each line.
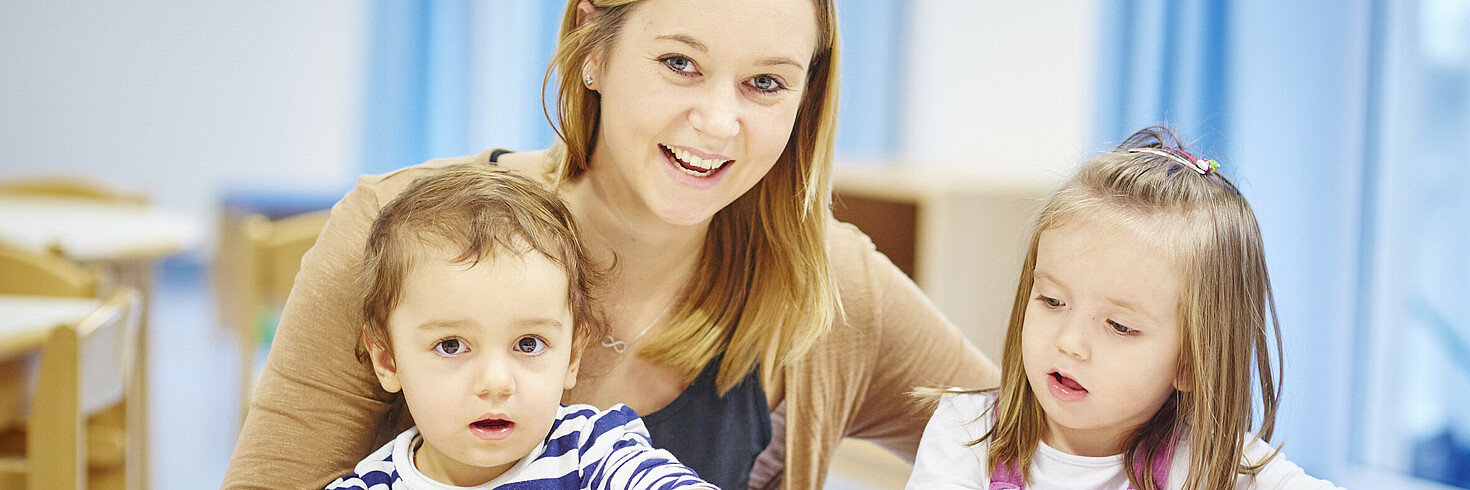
(856,381)
(317,409)
(916,347)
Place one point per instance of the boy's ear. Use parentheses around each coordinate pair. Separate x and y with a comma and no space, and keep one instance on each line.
(383,365)
(572,368)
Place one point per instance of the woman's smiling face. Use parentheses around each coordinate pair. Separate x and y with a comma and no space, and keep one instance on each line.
(698,100)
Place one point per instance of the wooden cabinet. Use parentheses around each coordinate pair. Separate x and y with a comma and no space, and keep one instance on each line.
(960,237)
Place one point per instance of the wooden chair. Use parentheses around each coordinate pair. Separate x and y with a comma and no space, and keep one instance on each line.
(254,269)
(24,271)
(69,186)
(84,370)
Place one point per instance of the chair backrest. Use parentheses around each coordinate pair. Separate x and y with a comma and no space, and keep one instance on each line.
(25,271)
(69,186)
(254,270)
(85,368)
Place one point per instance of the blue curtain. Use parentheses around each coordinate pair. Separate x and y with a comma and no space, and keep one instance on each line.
(1283,94)
(453,77)
(1165,61)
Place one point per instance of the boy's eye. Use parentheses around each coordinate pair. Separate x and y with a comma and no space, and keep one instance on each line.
(530,345)
(450,347)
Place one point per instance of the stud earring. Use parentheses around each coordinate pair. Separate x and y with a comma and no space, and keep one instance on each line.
(587,80)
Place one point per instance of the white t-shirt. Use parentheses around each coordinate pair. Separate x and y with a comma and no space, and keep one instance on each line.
(944,460)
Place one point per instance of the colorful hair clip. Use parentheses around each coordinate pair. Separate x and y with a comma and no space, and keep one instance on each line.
(1199,165)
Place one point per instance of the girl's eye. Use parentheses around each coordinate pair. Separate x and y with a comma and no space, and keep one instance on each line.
(766,83)
(1120,328)
(680,64)
(450,347)
(1050,302)
(530,345)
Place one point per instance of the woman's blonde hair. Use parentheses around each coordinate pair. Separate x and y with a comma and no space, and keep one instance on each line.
(763,289)
(1210,232)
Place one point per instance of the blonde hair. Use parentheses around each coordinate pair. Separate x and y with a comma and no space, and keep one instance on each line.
(765,252)
(475,211)
(1225,299)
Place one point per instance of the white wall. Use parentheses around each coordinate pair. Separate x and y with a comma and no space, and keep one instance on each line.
(182,98)
(1004,90)
(997,106)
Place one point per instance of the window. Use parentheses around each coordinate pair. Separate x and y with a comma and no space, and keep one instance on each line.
(1412,404)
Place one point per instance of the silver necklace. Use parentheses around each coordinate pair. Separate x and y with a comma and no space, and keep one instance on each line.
(620,346)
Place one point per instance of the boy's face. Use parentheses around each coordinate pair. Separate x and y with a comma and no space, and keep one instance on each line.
(482,355)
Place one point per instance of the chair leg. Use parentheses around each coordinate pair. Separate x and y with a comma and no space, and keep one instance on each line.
(55,442)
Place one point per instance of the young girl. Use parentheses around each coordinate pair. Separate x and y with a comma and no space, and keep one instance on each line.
(1140,315)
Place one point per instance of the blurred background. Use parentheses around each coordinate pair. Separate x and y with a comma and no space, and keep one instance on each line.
(1345,122)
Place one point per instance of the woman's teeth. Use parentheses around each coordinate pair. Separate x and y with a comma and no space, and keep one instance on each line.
(695,165)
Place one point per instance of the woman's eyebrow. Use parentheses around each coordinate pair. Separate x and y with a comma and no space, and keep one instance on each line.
(686,39)
(694,43)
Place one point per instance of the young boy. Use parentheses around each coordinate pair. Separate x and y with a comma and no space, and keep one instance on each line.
(476,306)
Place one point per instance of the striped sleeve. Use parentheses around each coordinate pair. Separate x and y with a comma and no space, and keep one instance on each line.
(375,472)
(621,456)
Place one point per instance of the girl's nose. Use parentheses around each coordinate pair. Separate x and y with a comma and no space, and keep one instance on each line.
(1072,338)
(717,112)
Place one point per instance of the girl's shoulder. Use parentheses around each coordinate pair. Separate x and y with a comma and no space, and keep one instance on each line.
(971,412)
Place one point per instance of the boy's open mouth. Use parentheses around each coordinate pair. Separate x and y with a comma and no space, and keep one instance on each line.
(492,428)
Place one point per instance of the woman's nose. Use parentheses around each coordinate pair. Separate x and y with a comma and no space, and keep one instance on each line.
(717,112)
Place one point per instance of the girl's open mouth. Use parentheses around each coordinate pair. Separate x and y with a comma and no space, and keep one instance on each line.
(1064,388)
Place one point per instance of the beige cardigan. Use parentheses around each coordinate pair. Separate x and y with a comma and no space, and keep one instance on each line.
(318,411)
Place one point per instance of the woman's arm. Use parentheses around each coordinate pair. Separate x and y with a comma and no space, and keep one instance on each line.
(914,346)
(318,410)
(856,380)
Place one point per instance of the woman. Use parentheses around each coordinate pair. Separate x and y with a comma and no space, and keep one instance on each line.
(750,329)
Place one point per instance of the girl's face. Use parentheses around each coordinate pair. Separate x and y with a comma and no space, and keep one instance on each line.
(1101,340)
(699,98)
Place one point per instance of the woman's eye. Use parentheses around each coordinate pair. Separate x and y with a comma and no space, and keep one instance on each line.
(1120,328)
(680,64)
(1050,302)
(530,345)
(766,83)
(450,347)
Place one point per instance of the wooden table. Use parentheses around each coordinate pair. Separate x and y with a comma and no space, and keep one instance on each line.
(25,321)
(90,230)
(124,239)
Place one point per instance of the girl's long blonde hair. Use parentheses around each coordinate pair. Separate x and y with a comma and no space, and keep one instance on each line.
(763,289)
(1225,302)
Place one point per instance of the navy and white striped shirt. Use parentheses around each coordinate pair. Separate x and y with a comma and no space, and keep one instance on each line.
(585,448)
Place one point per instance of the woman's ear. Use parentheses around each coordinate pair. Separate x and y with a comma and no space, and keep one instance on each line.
(590,77)
(585,12)
(1182,382)
(383,365)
